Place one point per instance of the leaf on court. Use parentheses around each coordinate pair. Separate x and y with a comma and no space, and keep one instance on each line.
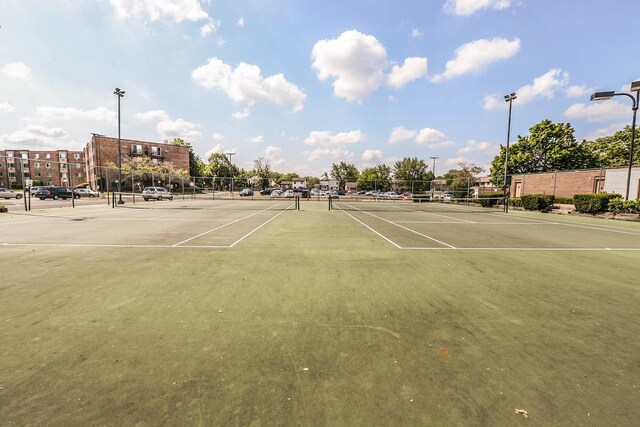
(444,351)
(522,412)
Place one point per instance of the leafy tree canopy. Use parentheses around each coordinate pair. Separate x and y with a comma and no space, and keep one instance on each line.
(412,173)
(343,172)
(611,151)
(196,165)
(375,178)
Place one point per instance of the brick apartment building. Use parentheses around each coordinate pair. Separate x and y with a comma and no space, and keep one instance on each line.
(70,168)
(103,150)
(52,167)
(570,183)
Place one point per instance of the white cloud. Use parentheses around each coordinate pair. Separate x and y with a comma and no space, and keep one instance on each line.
(605,131)
(257,139)
(477,55)
(429,136)
(220,42)
(369,155)
(152,116)
(469,7)
(441,144)
(69,113)
(578,91)
(218,137)
(416,33)
(330,153)
(598,111)
(36,137)
(399,134)
(412,69)
(240,23)
(6,107)
(154,10)
(455,160)
(356,60)
(239,115)
(17,70)
(210,27)
(245,84)
(217,149)
(544,86)
(478,147)
(169,129)
(270,153)
(327,139)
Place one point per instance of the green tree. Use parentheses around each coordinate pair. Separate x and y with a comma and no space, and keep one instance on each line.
(262,169)
(459,181)
(548,147)
(375,178)
(343,172)
(312,181)
(611,151)
(196,165)
(412,173)
(287,176)
(223,171)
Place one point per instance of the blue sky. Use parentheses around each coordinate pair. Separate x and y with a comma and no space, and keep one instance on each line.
(305,84)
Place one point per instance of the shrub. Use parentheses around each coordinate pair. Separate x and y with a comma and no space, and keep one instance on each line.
(564,200)
(632,206)
(537,202)
(616,205)
(592,203)
(489,199)
(516,201)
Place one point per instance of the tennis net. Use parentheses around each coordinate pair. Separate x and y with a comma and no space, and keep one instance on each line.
(460,205)
(201,202)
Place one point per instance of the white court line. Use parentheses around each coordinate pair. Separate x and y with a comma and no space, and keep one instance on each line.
(568,224)
(475,223)
(225,225)
(430,213)
(81,245)
(403,227)
(254,230)
(524,249)
(385,238)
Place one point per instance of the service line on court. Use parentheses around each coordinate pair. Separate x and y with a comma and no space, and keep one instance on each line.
(376,232)
(255,229)
(459,220)
(225,225)
(403,227)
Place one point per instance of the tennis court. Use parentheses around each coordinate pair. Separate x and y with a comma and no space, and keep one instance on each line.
(249,312)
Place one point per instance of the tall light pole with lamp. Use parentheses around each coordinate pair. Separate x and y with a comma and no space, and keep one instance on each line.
(119,93)
(508,98)
(601,96)
(230,153)
(433,184)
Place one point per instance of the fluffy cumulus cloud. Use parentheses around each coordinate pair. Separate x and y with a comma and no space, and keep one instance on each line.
(477,147)
(327,139)
(271,153)
(245,84)
(6,107)
(429,136)
(55,114)
(154,10)
(544,86)
(370,155)
(598,111)
(217,149)
(36,137)
(17,70)
(210,27)
(167,127)
(412,69)
(399,134)
(469,7)
(357,63)
(578,91)
(477,55)
(331,154)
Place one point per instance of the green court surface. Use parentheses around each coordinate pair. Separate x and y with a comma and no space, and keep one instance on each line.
(253,313)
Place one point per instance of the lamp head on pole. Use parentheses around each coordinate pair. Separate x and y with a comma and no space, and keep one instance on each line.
(119,92)
(635,86)
(510,97)
(602,96)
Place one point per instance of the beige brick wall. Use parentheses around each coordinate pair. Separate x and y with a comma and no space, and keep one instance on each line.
(560,184)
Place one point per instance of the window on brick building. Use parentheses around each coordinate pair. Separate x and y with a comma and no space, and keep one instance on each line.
(47,165)
(12,174)
(76,156)
(63,155)
(49,175)
(36,165)
(11,165)
(78,165)
(38,174)
(37,156)
(24,155)
(79,175)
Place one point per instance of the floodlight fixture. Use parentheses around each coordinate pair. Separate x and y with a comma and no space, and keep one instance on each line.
(603,96)
(635,86)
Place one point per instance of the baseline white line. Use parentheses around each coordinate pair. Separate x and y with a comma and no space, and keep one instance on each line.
(474,223)
(255,229)
(430,213)
(379,234)
(594,227)
(81,245)
(524,249)
(406,228)
(225,225)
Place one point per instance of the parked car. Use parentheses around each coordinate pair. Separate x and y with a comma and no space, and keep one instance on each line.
(316,192)
(266,191)
(447,197)
(34,190)
(55,193)
(332,193)
(304,193)
(361,193)
(288,194)
(156,193)
(246,192)
(406,195)
(86,192)
(7,193)
(276,193)
(391,195)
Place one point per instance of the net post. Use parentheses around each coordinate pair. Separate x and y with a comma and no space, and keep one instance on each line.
(330,203)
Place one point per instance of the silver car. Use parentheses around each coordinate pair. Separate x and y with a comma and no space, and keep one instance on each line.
(86,192)
(156,193)
(6,193)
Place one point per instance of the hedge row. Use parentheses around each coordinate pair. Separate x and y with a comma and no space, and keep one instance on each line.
(619,205)
(593,203)
(537,202)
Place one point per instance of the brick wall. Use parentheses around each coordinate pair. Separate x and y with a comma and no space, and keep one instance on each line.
(560,184)
(59,167)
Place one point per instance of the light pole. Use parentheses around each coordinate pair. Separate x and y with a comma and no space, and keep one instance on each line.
(119,93)
(601,96)
(434,174)
(231,153)
(508,98)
